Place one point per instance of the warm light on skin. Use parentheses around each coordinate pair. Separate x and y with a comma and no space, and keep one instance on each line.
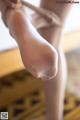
(39,57)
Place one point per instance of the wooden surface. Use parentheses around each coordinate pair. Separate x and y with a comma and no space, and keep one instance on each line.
(10,61)
(24,99)
(16,85)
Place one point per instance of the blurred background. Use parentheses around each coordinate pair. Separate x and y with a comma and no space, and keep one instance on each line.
(20,93)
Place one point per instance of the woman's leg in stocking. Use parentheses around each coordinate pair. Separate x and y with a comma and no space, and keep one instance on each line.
(54,89)
(37,54)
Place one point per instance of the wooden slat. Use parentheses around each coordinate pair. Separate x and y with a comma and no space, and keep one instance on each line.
(19,90)
(73,115)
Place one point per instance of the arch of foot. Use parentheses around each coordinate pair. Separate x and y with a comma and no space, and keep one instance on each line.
(39,57)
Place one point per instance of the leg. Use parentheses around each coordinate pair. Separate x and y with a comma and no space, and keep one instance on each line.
(26,38)
(54,89)
(37,54)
